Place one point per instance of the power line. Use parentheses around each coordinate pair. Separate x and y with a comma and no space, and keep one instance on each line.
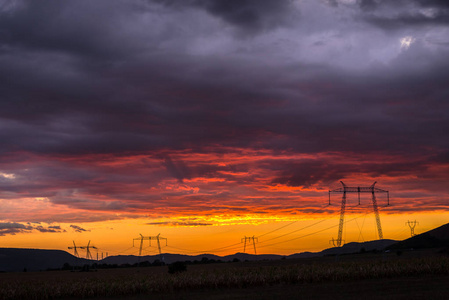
(294,231)
(306,235)
(88,254)
(277,229)
(398,234)
(299,237)
(222,248)
(316,210)
(182,249)
(344,190)
(118,252)
(236,246)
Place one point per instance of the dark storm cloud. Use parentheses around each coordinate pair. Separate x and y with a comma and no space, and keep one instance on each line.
(12,228)
(417,19)
(442,158)
(124,78)
(68,105)
(326,172)
(428,3)
(398,14)
(370,4)
(249,15)
(177,169)
(55,227)
(52,229)
(74,27)
(77,228)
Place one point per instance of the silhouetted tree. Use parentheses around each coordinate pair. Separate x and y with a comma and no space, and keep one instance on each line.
(177,267)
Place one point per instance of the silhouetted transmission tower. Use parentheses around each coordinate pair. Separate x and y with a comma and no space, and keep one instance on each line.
(75,251)
(358,189)
(149,239)
(412,225)
(88,254)
(249,239)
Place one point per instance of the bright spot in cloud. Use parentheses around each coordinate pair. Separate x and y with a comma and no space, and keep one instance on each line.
(7,175)
(430,12)
(406,42)
(43,199)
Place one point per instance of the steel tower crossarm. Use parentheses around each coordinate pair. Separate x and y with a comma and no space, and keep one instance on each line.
(249,239)
(358,189)
(74,249)
(157,238)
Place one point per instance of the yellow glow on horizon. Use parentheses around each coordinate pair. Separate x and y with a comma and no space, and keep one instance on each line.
(275,235)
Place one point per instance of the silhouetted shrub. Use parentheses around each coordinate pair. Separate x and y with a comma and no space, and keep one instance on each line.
(85,268)
(144,264)
(177,267)
(157,262)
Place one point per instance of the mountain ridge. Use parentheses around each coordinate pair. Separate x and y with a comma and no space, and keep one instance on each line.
(20,259)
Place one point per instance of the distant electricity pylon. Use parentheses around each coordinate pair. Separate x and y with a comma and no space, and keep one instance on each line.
(249,239)
(75,252)
(149,239)
(412,225)
(358,189)
(88,254)
(333,242)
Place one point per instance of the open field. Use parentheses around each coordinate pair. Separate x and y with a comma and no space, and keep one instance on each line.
(371,276)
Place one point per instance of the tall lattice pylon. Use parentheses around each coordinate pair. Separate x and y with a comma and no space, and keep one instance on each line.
(249,239)
(358,189)
(88,247)
(412,225)
(157,238)
(75,251)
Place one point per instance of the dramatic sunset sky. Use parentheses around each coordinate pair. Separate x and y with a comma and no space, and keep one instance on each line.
(210,120)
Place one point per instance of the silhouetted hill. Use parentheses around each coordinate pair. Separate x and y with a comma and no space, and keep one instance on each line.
(355,247)
(435,238)
(169,258)
(251,257)
(305,255)
(16,259)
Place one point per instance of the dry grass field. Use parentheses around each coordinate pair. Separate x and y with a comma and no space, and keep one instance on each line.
(364,276)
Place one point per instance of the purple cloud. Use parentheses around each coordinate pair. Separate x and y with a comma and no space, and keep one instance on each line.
(77,228)
(113,106)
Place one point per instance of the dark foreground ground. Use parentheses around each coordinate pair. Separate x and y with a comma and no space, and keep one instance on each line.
(411,275)
(422,288)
